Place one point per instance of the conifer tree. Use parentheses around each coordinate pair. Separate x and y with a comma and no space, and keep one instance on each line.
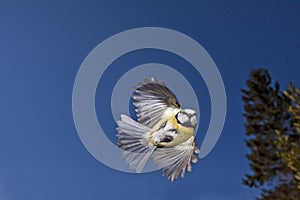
(273,137)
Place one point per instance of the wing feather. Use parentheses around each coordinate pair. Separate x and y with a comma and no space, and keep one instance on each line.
(152,99)
(175,160)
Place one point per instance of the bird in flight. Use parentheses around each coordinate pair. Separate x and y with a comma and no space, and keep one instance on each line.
(164,131)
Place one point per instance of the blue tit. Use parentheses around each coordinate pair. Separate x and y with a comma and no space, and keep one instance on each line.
(163,131)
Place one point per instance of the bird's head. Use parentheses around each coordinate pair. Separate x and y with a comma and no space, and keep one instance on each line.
(187,118)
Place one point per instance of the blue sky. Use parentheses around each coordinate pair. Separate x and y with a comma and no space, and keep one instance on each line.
(42,48)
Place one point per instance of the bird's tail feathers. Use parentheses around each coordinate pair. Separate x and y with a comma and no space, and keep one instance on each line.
(134,140)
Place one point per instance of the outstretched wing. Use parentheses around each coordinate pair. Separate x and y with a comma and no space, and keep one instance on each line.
(175,160)
(152,99)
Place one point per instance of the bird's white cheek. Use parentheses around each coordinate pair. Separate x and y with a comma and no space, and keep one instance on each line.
(194,120)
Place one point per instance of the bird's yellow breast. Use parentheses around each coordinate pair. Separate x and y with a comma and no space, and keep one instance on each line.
(184,133)
(182,129)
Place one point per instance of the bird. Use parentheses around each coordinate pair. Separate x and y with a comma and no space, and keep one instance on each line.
(163,131)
